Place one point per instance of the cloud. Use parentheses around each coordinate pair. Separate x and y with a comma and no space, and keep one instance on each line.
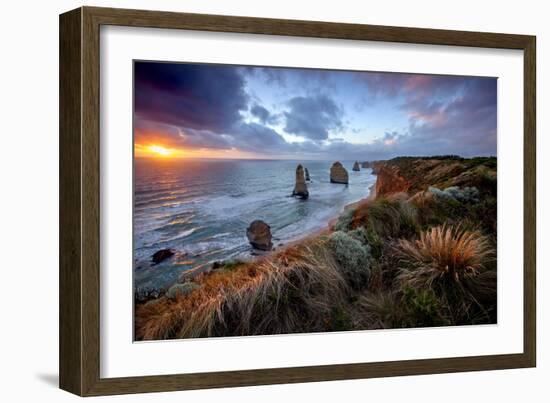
(313,117)
(201,97)
(264,115)
(447,114)
(202,106)
(464,122)
(258,138)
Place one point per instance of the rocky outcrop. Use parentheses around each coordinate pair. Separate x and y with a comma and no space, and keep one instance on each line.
(307,175)
(338,174)
(356,166)
(376,166)
(161,255)
(389,180)
(300,188)
(365,164)
(259,235)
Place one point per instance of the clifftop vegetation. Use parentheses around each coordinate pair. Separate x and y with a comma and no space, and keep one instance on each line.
(422,253)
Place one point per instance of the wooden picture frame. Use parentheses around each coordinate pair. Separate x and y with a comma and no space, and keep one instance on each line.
(79,346)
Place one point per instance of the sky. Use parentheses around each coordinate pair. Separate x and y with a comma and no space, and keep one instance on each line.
(222,111)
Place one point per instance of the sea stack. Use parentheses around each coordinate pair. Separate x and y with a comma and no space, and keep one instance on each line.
(307,175)
(259,235)
(300,189)
(338,174)
(365,164)
(356,166)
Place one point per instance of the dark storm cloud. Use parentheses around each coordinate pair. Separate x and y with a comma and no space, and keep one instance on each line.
(198,106)
(313,117)
(201,97)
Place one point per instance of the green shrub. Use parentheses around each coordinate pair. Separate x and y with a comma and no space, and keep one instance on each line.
(360,234)
(340,320)
(423,309)
(392,217)
(466,194)
(352,256)
(344,220)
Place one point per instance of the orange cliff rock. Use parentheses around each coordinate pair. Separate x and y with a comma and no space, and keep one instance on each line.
(389,180)
(414,174)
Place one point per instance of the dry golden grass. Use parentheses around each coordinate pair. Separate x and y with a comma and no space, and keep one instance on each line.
(287,292)
(443,252)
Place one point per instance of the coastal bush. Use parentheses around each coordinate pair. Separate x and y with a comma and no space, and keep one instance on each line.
(352,256)
(389,309)
(381,310)
(466,194)
(343,222)
(452,262)
(340,320)
(360,234)
(388,217)
(436,210)
(422,308)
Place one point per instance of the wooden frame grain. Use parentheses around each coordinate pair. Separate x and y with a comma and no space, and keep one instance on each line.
(79,348)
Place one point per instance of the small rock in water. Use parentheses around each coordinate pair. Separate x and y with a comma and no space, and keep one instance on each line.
(161,255)
(217,265)
(307,175)
(356,166)
(338,174)
(259,235)
(300,188)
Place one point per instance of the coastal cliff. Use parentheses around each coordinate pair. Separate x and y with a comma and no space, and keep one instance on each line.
(422,252)
(414,174)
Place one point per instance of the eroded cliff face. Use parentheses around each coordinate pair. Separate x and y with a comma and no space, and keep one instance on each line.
(412,175)
(389,180)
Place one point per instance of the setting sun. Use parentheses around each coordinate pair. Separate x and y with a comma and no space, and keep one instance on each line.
(159,150)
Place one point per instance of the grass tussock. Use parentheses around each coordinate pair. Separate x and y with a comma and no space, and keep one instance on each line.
(450,262)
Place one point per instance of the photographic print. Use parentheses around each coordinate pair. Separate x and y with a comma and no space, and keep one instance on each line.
(274,200)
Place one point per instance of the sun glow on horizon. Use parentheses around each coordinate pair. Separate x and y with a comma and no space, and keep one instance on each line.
(157,151)
(160,150)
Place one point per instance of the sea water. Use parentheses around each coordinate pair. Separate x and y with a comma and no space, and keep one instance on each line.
(201,209)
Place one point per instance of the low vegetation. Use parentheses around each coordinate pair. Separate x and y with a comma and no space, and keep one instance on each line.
(424,256)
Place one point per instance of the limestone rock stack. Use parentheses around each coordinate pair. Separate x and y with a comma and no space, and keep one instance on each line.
(300,188)
(356,166)
(307,175)
(338,174)
(259,235)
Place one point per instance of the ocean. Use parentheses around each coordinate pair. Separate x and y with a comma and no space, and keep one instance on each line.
(201,209)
